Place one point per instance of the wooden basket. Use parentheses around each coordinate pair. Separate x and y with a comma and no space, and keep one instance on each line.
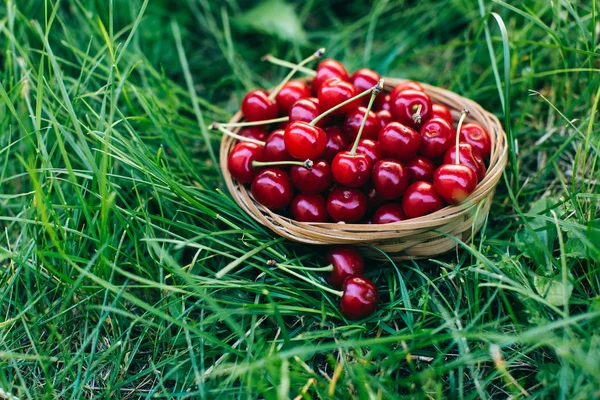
(422,237)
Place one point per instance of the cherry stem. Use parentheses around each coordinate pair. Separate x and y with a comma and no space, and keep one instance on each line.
(216,125)
(306,164)
(282,63)
(417,115)
(315,56)
(378,87)
(464,114)
(374,92)
(327,268)
(240,137)
(338,293)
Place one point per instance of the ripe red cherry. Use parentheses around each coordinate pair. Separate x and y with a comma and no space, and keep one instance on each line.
(304,141)
(256,106)
(334,91)
(390,178)
(411,107)
(441,111)
(420,199)
(469,156)
(290,93)
(314,180)
(383,102)
(354,120)
(374,199)
(389,213)
(408,85)
(275,149)
(478,137)
(273,188)
(360,298)
(346,205)
(420,169)
(370,148)
(254,132)
(385,117)
(326,69)
(336,142)
(309,208)
(364,79)
(399,141)
(239,162)
(436,137)
(304,110)
(351,170)
(346,261)
(454,182)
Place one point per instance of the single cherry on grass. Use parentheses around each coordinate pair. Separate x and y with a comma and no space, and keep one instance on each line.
(309,208)
(346,205)
(389,213)
(420,169)
(273,188)
(350,168)
(399,141)
(443,112)
(420,199)
(344,261)
(327,69)
(390,178)
(336,142)
(312,180)
(436,137)
(354,120)
(360,298)
(478,137)
(411,107)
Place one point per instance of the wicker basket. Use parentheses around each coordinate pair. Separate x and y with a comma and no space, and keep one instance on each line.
(414,238)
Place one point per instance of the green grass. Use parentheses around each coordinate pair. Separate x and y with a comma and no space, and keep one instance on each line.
(114,219)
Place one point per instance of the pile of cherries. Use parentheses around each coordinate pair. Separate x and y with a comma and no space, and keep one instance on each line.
(339,150)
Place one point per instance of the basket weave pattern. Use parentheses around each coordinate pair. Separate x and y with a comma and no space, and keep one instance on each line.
(414,238)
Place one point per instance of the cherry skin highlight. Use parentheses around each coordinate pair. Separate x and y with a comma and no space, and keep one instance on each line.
(385,117)
(354,120)
(390,178)
(421,199)
(369,148)
(254,132)
(305,110)
(469,156)
(314,180)
(443,112)
(256,106)
(327,69)
(359,299)
(336,142)
(383,102)
(239,162)
(437,137)
(309,208)
(408,85)
(346,262)
(364,79)
(290,93)
(420,169)
(478,137)
(454,182)
(389,213)
(274,149)
(352,170)
(346,205)
(273,188)
(409,103)
(334,91)
(399,141)
(304,141)
(374,199)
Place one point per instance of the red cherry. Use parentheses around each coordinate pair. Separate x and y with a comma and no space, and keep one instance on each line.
(436,137)
(304,110)
(360,298)
(273,188)
(410,104)
(314,180)
(254,132)
(354,120)
(346,262)
(389,213)
(408,85)
(274,149)
(420,199)
(478,137)
(290,93)
(374,199)
(326,69)
(336,142)
(256,106)
(454,182)
(364,79)
(469,156)
(239,162)
(346,205)
(420,169)
(334,91)
(443,112)
(383,102)
(309,208)
(390,178)
(385,117)
(351,170)
(369,148)
(399,141)
(304,141)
